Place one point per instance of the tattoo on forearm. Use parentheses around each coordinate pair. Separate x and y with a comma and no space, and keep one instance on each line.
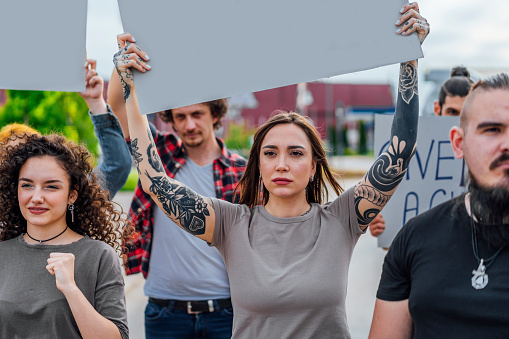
(127,74)
(134,150)
(408,81)
(153,158)
(180,203)
(373,193)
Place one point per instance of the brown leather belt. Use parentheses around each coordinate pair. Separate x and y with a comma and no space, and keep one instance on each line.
(195,306)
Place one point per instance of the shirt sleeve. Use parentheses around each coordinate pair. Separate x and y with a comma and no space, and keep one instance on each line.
(115,164)
(343,207)
(109,292)
(227,215)
(395,283)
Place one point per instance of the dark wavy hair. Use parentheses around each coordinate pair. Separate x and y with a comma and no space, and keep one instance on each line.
(218,108)
(250,185)
(94,214)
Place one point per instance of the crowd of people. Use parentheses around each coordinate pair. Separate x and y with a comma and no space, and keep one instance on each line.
(248,248)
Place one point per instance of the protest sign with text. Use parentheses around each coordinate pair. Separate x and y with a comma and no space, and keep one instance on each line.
(433,176)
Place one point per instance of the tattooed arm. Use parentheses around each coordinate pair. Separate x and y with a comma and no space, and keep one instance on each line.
(376,188)
(186,208)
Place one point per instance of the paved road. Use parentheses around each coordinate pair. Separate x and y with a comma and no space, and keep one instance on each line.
(364,274)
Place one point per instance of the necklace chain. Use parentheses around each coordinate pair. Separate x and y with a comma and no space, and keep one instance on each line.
(480,278)
(41,241)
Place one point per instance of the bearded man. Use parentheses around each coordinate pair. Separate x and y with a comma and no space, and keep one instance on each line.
(446,274)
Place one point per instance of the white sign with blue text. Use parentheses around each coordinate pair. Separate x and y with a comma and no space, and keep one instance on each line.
(434,175)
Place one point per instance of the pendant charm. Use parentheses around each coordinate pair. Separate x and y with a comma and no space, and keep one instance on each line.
(480,278)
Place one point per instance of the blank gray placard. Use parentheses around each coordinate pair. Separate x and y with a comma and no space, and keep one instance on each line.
(202,50)
(43,44)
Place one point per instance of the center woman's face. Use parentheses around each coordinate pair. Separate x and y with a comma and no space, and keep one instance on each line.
(43,192)
(286,161)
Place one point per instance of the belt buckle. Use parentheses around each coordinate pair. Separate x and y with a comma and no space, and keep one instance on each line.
(190,309)
(210,303)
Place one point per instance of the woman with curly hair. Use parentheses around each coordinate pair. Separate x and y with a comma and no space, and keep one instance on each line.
(59,277)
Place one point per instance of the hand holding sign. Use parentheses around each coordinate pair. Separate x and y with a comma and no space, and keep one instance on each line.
(127,57)
(412,21)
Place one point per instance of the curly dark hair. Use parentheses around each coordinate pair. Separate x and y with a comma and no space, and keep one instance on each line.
(95,213)
(218,108)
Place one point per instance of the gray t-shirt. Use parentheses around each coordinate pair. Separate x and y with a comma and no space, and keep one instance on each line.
(182,266)
(31,306)
(288,276)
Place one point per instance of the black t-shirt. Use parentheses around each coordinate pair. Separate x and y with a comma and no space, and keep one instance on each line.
(430,263)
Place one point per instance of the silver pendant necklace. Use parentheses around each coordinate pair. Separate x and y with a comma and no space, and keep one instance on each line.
(480,278)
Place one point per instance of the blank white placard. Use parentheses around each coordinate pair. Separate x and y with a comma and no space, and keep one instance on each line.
(203,50)
(43,44)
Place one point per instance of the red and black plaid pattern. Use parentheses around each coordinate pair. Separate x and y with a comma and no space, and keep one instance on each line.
(228,169)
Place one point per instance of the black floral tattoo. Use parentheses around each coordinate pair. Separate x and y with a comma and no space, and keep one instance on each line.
(134,150)
(389,169)
(408,81)
(180,203)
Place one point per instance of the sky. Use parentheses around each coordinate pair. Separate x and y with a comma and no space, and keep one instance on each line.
(473,33)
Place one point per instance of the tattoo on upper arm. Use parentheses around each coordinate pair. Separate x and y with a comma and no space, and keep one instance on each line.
(408,81)
(181,204)
(135,148)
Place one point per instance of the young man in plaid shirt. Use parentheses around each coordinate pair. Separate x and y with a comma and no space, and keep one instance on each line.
(186,280)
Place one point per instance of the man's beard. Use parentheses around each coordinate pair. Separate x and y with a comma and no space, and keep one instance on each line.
(490,206)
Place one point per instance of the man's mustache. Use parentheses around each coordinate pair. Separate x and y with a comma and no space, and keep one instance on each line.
(497,162)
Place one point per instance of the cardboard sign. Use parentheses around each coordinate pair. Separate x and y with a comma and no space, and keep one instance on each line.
(43,45)
(433,176)
(203,50)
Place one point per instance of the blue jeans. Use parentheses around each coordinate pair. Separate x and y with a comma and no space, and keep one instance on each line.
(168,323)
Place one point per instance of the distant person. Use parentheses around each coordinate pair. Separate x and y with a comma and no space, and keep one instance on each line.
(451,97)
(453,92)
(287,258)
(60,275)
(435,282)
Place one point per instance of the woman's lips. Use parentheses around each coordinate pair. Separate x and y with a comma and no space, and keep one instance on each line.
(281,181)
(37,210)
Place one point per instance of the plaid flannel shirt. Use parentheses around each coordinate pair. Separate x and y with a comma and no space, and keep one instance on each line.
(228,169)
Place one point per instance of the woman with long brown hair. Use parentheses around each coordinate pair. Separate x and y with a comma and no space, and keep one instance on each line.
(287,256)
(59,232)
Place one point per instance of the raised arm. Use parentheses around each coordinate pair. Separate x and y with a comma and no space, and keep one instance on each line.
(115,164)
(116,102)
(376,188)
(191,211)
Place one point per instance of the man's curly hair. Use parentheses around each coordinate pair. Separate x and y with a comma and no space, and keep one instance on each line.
(218,109)
(94,214)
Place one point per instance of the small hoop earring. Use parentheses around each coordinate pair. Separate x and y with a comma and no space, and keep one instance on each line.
(71,208)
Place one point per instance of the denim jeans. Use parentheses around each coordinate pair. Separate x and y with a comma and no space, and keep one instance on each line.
(165,322)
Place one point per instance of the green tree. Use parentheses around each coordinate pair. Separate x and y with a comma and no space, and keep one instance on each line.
(49,112)
(239,137)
